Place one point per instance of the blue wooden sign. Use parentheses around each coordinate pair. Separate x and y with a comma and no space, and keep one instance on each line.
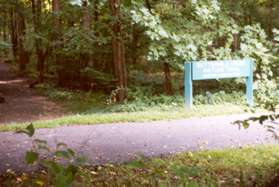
(205,70)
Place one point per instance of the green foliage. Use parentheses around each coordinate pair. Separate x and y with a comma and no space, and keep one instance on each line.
(31,157)
(268,95)
(142,99)
(153,33)
(220,98)
(29,130)
(4,45)
(61,164)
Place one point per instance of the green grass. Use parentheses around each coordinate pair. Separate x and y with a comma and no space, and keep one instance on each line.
(141,106)
(140,116)
(250,166)
(230,167)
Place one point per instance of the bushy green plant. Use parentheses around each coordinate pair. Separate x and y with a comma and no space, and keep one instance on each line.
(220,97)
(143,100)
(62,165)
(4,46)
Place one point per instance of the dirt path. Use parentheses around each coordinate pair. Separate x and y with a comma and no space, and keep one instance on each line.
(123,142)
(22,103)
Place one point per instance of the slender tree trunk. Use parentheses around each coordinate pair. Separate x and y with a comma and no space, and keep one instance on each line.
(269,19)
(5,26)
(56,11)
(86,21)
(85,58)
(178,3)
(168,85)
(118,51)
(86,24)
(41,55)
(135,41)
(23,54)
(13,33)
(56,6)
(235,44)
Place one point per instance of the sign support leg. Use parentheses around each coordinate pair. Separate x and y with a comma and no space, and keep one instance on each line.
(188,86)
(249,87)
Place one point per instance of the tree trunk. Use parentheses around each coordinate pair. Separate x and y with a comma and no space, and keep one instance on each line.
(178,3)
(39,51)
(85,58)
(235,44)
(86,24)
(23,54)
(5,26)
(56,36)
(135,43)
(118,51)
(86,21)
(270,19)
(13,33)
(56,11)
(168,85)
(37,11)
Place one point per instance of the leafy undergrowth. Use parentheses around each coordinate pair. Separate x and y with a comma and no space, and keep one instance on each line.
(252,166)
(140,99)
(141,106)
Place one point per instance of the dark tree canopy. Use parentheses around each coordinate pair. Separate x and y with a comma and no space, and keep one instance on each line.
(107,44)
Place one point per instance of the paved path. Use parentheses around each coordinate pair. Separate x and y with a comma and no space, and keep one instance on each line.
(122,142)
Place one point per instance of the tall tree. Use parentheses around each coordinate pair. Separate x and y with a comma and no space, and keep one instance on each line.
(118,51)
(23,53)
(56,6)
(86,19)
(41,54)
(13,32)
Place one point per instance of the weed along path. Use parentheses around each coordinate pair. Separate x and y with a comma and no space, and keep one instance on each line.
(22,103)
(122,142)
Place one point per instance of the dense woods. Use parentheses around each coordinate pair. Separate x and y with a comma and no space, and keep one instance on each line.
(114,45)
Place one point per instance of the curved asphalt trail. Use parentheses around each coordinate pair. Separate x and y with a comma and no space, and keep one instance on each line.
(124,141)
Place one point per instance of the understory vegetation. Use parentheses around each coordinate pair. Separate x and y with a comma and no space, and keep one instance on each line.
(142,98)
(142,105)
(132,50)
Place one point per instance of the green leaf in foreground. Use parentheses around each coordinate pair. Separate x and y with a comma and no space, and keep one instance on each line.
(31,157)
(29,130)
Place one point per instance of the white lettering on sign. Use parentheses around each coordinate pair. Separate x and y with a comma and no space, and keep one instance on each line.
(220,69)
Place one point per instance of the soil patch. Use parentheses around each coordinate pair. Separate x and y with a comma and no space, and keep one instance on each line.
(23,104)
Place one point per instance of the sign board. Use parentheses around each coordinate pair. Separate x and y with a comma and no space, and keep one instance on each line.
(205,70)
